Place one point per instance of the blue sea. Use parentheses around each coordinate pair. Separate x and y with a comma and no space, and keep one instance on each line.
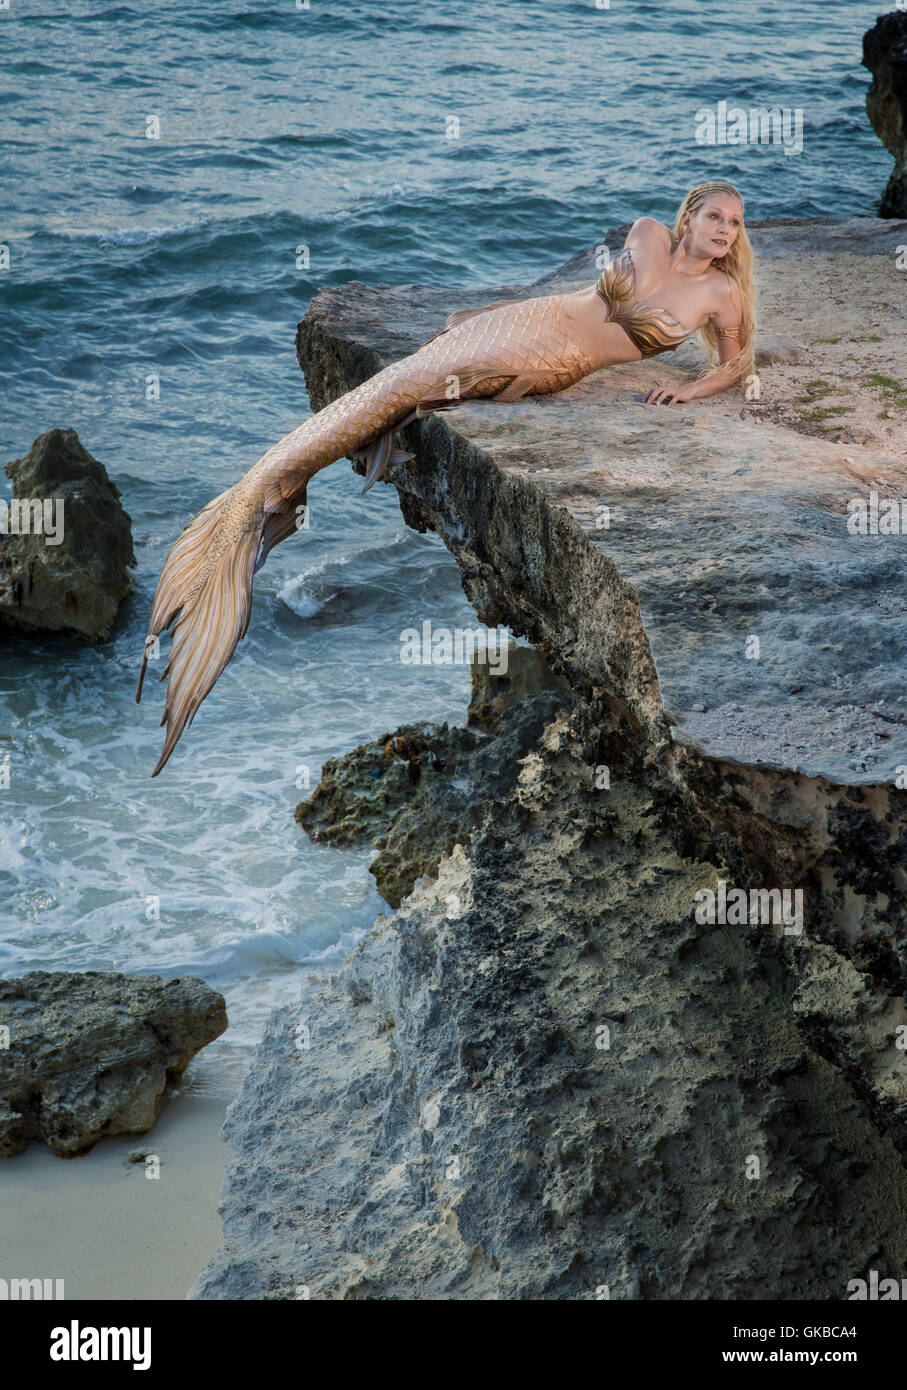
(177,181)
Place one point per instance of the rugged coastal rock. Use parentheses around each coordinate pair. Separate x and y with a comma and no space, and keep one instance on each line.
(695,565)
(416,792)
(87,1055)
(885,54)
(542,1077)
(550,1071)
(64,564)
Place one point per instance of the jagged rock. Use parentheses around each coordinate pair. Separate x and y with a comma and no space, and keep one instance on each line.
(415,793)
(643,550)
(75,585)
(543,1076)
(860,1028)
(90,1054)
(441,1120)
(492,693)
(885,54)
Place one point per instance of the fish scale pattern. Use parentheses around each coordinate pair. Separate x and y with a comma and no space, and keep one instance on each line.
(529,335)
(524,347)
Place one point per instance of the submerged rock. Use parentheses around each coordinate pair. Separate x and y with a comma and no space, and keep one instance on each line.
(885,54)
(65,541)
(88,1055)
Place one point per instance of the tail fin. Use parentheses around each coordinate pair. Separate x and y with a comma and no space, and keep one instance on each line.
(207,580)
(380,455)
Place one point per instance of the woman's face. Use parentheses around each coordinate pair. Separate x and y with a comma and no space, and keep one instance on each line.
(713,227)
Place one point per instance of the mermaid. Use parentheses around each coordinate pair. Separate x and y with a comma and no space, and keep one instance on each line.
(664,286)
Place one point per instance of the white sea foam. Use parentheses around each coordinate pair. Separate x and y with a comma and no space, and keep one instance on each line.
(297,594)
(128,236)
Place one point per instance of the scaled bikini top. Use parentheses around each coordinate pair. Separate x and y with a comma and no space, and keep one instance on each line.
(650,329)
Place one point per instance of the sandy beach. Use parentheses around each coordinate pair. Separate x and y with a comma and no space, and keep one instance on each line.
(104,1227)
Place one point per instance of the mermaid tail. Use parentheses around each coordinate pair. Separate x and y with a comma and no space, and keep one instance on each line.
(507,349)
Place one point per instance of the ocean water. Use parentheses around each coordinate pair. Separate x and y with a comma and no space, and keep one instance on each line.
(471,143)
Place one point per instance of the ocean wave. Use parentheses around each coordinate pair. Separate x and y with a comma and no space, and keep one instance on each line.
(127,236)
(310,591)
(297,593)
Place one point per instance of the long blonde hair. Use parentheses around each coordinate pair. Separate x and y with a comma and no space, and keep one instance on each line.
(738,266)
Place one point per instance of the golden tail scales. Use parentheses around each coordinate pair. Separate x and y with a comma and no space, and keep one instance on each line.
(508,349)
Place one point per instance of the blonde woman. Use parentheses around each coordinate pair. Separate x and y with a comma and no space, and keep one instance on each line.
(664,286)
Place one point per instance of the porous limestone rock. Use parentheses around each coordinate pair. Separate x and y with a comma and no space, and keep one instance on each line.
(87,1055)
(885,54)
(549,1073)
(543,1077)
(713,530)
(693,566)
(415,793)
(75,584)
(493,693)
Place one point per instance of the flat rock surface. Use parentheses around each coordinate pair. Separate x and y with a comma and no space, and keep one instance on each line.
(778,637)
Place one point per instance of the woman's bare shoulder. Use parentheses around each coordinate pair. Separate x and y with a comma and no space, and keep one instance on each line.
(729,296)
(648,231)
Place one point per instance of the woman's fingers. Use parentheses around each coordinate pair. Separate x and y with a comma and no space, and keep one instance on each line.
(659,395)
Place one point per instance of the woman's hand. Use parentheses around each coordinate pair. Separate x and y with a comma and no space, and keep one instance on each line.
(670,395)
